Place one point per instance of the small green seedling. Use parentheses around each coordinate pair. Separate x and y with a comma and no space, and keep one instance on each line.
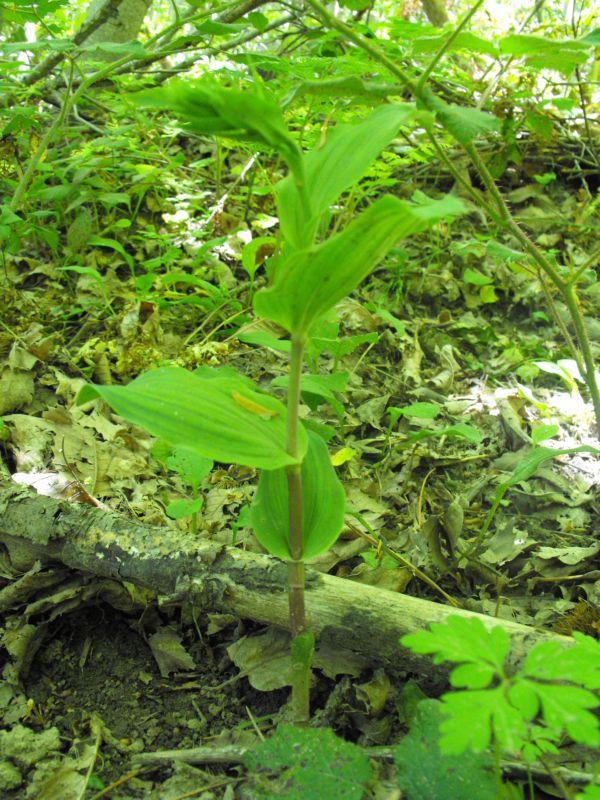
(298,510)
(192,468)
(526,712)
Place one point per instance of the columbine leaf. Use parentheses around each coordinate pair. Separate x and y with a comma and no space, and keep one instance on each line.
(524,698)
(473,718)
(219,418)
(461,639)
(323,505)
(472,676)
(566,707)
(579,663)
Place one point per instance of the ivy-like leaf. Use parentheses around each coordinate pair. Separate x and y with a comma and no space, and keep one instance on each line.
(425,772)
(309,764)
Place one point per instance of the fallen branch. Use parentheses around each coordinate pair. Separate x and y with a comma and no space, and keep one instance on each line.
(362,621)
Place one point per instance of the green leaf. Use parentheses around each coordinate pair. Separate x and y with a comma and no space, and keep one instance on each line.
(192,467)
(208,108)
(459,431)
(317,389)
(250,262)
(418,410)
(427,773)
(219,418)
(308,764)
(134,49)
(542,53)
(265,339)
(566,708)
(308,283)
(215,28)
(465,41)
(178,509)
(331,169)
(100,241)
(579,663)
(532,460)
(90,271)
(323,505)
(472,676)
(465,123)
(473,716)
(523,697)
(475,277)
(461,639)
(542,432)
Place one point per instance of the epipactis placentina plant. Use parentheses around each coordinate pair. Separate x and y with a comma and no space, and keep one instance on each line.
(299,506)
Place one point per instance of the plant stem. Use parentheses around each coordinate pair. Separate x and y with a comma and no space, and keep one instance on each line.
(300,665)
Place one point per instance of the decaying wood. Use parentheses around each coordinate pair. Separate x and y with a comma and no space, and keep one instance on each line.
(362,621)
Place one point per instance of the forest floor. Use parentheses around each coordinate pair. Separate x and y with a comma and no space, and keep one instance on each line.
(451,334)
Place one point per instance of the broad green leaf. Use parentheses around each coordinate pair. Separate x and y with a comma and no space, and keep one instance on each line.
(542,53)
(317,389)
(219,418)
(331,169)
(255,251)
(426,773)
(265,339)
(310,282)
(465,41)
(112,244)
(523,696)
(308,764)
(208,108)
(542,432)
(58,45)
(461,639)
(215,28)
(323,505)
(459,431)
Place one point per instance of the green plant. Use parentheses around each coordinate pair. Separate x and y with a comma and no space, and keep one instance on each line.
(192,469)
(299,505)
(524,712)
